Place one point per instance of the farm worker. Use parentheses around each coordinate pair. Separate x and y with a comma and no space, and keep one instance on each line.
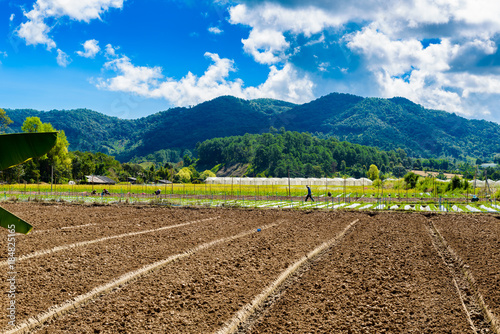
(309,194)
(157,192)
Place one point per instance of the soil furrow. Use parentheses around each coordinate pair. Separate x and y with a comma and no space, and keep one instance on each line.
(476,240)
(200,293)
(56,277)
(250,312)
(385,276)
(481,319)
(93,241)
(59,310)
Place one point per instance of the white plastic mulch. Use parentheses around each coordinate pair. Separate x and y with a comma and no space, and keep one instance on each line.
(472,209)
(484,207)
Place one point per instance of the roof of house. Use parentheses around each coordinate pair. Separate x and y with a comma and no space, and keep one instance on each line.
(99,179)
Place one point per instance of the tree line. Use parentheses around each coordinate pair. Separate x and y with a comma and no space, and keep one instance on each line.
(278,153)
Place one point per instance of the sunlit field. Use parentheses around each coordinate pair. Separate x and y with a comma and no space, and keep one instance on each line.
(389,196)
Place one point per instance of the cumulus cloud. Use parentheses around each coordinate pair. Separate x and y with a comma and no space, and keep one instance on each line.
(36,31)
(425,75)
(285,83)
(215,30)
(110,51)
(387,45)
(91,48)
(63,59)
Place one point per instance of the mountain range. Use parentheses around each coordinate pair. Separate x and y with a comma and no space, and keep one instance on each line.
(384,123)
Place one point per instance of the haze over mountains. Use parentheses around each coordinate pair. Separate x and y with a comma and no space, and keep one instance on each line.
(384,123)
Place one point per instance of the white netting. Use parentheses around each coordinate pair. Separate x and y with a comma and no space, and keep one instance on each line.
(259,181)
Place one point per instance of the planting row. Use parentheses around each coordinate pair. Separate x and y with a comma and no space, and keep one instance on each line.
(384,275)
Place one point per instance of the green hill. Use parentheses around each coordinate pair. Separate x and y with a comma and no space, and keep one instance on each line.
(384,123)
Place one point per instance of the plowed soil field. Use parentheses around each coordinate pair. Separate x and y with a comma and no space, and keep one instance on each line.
(143,269)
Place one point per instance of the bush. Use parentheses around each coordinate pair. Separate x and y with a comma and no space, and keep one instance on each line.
(411,180)
(184,175)
(205,174)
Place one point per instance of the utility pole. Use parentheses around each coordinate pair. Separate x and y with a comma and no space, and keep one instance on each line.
(289,192)
(51,176)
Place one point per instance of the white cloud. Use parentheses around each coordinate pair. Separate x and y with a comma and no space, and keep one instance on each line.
(62,58)
(425,75)
(110,51)
(388,53)
(12,16)
(266,46)
(215,30)
(91,48)
(285,84)
(36,31)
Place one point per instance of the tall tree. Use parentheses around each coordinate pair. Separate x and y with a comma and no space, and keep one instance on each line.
(4,121)
(373,172)
(58,158)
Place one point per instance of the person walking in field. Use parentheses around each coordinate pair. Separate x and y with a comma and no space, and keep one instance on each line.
(309,194)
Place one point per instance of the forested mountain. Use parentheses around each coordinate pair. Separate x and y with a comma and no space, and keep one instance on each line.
(398,123)
(85,129)
(384,123)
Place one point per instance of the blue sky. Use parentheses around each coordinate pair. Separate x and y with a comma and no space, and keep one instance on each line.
(131,58)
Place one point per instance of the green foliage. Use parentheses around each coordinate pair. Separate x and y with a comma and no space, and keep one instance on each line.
(187,160)
(411,180)
(455,183)
(5,121)
(441,176)
(300,153)
(372,173)
(205,174)
(32,124)
(399,171)
(184,175)
(57,160)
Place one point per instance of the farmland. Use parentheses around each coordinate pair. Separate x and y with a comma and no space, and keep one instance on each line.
(390,197)
(147,269)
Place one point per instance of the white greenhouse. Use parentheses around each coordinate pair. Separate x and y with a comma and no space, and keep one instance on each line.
(262,181)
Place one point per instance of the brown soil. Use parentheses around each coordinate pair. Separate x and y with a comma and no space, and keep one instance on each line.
(476,239)
(384,275)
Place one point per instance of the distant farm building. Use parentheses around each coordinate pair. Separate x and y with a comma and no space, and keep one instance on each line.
(99,179)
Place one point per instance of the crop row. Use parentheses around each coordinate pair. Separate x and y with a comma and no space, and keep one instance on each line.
(330,203)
